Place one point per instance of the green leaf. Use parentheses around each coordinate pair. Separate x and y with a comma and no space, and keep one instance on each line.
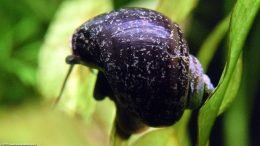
(210,45)
(243,106)
(175,135)
(181,128)
(77,99)
(52,66)
(177,10)
(158,137)
(233,87)
(40,126)
(241,20)
(150,4)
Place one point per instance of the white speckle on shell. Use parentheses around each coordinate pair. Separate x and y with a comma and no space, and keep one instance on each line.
(144,58)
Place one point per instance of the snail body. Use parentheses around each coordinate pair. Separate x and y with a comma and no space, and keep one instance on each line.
(144,67)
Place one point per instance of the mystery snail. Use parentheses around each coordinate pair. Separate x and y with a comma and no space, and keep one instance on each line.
(144,67)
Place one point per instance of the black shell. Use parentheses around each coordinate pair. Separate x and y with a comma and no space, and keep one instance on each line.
(144,58)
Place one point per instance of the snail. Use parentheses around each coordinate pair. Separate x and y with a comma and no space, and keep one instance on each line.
(144,67)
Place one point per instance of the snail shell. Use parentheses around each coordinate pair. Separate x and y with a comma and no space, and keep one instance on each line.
(144,66)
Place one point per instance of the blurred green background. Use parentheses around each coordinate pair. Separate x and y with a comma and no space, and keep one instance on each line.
(23,25)
(34,40)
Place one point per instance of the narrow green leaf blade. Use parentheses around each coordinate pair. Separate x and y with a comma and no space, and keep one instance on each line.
(241,19)
(233,87)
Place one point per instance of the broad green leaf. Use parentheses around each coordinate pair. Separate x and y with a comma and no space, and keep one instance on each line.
(233,87)
(243,15)
(177,10)
(37,125)
(158,137)
(210,45)
(181,128)
(150,4)
(78,96)
(175,135)
(77,99)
